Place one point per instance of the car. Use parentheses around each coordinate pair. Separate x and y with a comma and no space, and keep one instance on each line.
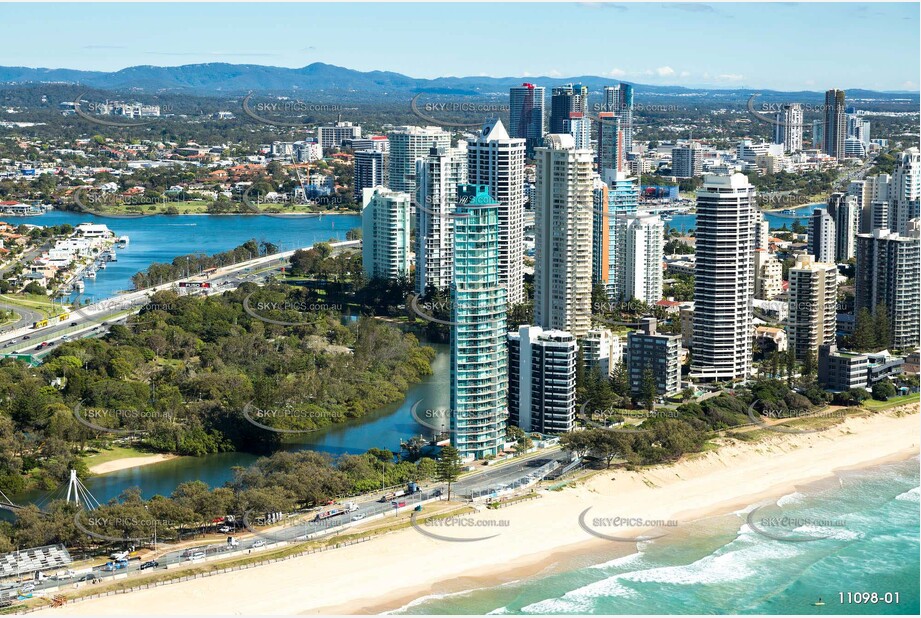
(259,543)
(150,564)
(73,324)
(225,529)
(86,578)
(27,588)
(358,516)
(27,337)
(197,555)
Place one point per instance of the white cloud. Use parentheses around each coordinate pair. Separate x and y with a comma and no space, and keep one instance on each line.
(730,77)
(665,71)
(615,72)
(554,73)
(684,74)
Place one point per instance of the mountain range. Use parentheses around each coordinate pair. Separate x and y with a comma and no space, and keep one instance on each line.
(215,79)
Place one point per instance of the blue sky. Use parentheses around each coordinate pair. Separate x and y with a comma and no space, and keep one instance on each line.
(783,46)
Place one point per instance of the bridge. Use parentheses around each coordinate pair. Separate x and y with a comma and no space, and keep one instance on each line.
(76,493)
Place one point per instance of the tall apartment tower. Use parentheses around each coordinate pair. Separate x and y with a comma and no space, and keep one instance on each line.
(687,161)
(822,236)
(542,380)
(610,143)
(497,161)
(526,115)
(608,256)
(479,352)
(385,230)
(845,213)
(788,129)
(835,130)
(438,175)
(862,191)
(408,145)
(724,279)
(905,190)
(370,171)
(564,101)
(888,274)
(619,99)
(812,305)
(563,236)
(661,353)
(762,231)
(643,240)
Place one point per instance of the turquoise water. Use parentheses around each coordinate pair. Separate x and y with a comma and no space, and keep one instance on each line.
(721,565)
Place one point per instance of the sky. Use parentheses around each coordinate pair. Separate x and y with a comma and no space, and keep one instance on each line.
(780,46)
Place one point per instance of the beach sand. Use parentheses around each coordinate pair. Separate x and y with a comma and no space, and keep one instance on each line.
(129,462)
(394,569)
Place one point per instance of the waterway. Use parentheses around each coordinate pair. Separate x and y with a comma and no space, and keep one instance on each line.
(161,238)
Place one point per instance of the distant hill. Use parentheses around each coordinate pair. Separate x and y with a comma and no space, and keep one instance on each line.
(326,80)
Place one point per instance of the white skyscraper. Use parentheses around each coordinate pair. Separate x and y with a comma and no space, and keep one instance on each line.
(905,191)
(846,215)
(643,243)
(563,236)
(385,233)
(496,160)
(408,145)
(822,236)
(724,279)
(438,175)
(789,128)
(542,379)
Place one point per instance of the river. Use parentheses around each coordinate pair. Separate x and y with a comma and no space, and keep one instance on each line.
(161,238)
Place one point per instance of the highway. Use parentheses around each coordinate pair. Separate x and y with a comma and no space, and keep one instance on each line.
(94,319)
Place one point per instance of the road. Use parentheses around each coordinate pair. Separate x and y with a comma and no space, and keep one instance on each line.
(95,319)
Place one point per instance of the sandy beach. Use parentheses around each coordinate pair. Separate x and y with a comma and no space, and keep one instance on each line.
(394,569)
(129,462)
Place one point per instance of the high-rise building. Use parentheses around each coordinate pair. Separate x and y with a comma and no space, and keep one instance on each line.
(526,115)
(601,350)
(479,352)
(608,256)
(658,353)
(370,171)
(542,380)
(888,274)
(643,239)
(788,127)
(846,215)
(496,160)
(332,136)
(768,275)
(812,305)
(835,124)
(385,230)
(724,279)
(905,190)
(818,133)
(564,101)
(619,99)
(687,161)
(579,125)
(438,174)
(862,190)
(408,145)
(610,143)
(822,236)
(563,236)
(762,231)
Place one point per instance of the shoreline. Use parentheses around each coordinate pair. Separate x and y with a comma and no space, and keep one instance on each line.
(541,533)
(125,463)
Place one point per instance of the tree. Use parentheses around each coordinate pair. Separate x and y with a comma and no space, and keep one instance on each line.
(883,390)
(881,327)
(864,337)
(448,467)
(649,389)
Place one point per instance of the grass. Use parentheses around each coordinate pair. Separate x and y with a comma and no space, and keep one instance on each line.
(892,402)
(200,207)
(111,454)
(35,302)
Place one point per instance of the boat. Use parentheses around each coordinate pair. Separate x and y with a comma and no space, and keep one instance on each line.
(123,241)
(91,274)
(788,211)
(102,264)
(79,285)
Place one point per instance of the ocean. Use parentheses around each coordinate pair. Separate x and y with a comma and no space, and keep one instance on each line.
(866,541)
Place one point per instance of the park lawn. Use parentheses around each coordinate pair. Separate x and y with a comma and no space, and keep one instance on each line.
(35,302)
(96,457)
(892,402)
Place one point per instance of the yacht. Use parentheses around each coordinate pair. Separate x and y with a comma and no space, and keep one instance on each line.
(123,241)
